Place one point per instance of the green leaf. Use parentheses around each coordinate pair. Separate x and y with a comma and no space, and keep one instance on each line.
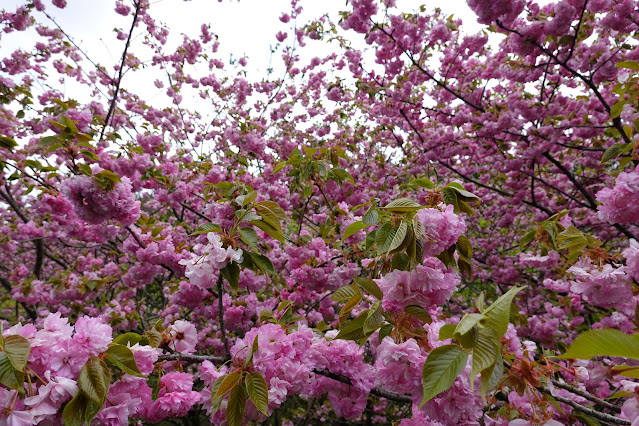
(232,274)
(216,402)
(90,154)
(229,382)
(9,376)
(447,331)
(258,391)
(206,228)
(419,313)
(385,330)
(128,338)
(17,349)
(613,151)
(107,180)
(343,293)
(462,192)
(490,377)
(499,312)
(485,354)
(123,358)
(464,248)
(402,205)
(398,238)
(441,368)
(616,109)
(450,197)
(262,262)
(252,350)
(603,342)
(527,238)
(249,237)
(271,213)
(353,330)
(370,286)
(400,261)
(423,182)
(94,380)
(154,336)
(7,142)
(374,319)
(371,216)
(276,233)
(632,65)
(467,323)
(74,412)
(236,405)
(354,228)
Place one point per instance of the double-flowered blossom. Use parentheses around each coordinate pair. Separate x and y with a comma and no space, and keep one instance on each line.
(430,284)
(620,204)
(604,286)
(442,228)
(203,268)
(94,204)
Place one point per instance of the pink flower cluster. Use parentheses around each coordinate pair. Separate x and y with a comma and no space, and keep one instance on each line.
(429,285)
(489,11)
(442,228)
(604,286)
(96,205)
(203,268)
(621,203)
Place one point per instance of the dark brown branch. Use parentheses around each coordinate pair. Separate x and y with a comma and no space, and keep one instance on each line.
(586,410)
(193,358)
(220,314)
(586,395)
(375,391)
(114,99)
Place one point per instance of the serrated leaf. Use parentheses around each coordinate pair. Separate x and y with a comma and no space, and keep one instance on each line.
(123,358)
(353,330)
(419,313)
(216,402)
(467,322)
(371,216)
(154,336)
(206,228)
(464,248)
(258,391)
(7,142)
(527,238)
(485,354)
(400,261)
(616,109)
(603,342)
(385,330)
(249,237)
(232,274)
(127,338)
(94,380)
(236,405)
(73,413)
(399,237)
(402,205)
(449,196)
(230,381)
(447,331)
(343,293)
(262,262)
(490,377)
(440,370)
(613,151)
(269,229)
(90,154)
(354,228)
(370,286)
(9,376)
(423,183)
(252,351)
(374,319)
(349,306)
(632,65)
(17,349)
(498,313)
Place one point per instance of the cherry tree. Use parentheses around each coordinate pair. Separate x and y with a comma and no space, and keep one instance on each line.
(438,228)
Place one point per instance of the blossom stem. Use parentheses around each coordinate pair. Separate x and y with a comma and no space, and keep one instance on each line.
(586,410)
(220,315)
